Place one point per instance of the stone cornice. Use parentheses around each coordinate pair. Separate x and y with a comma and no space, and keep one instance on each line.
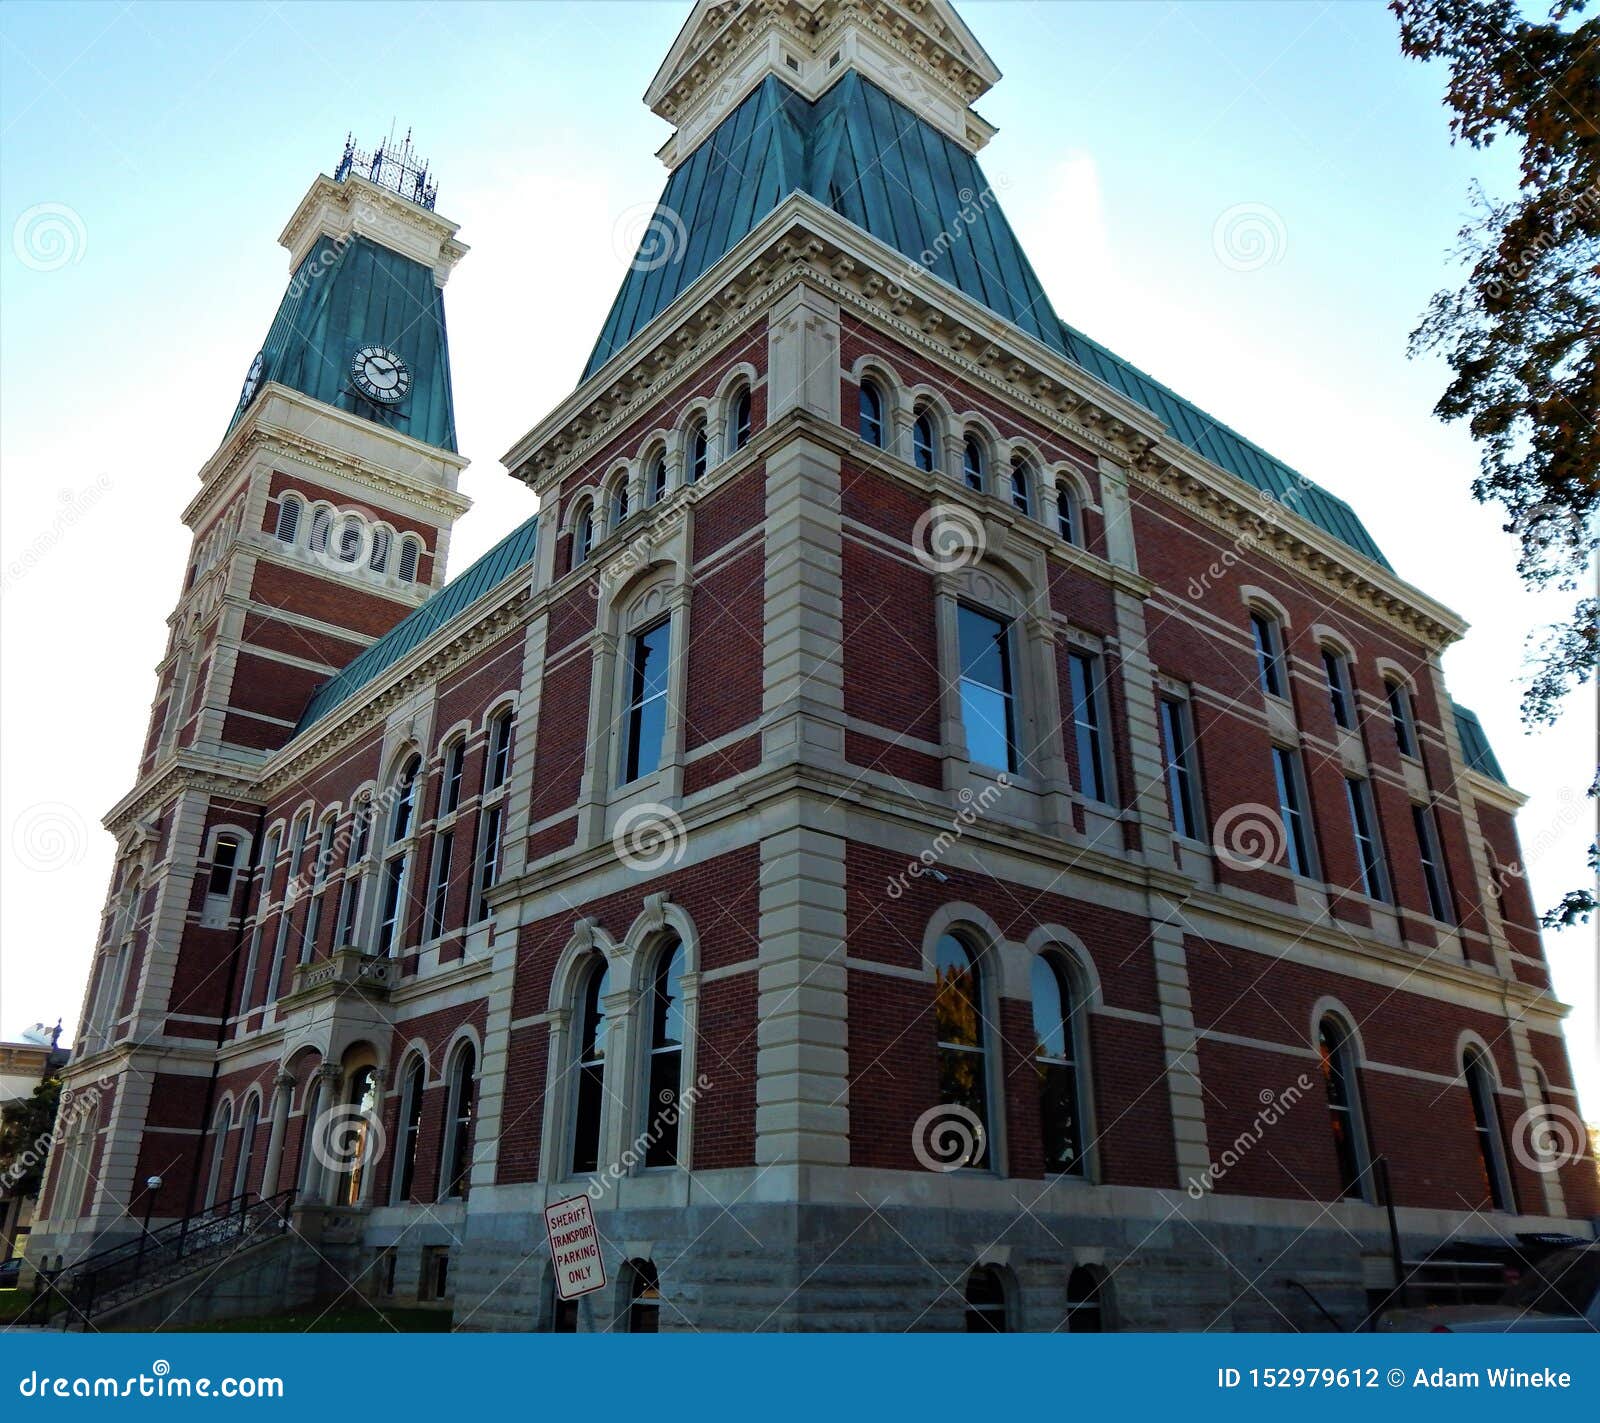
(256,432)
(185,772)
(803,242)
(1493,792)
(357,206)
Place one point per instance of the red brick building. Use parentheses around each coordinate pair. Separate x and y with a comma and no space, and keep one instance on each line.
(923,825)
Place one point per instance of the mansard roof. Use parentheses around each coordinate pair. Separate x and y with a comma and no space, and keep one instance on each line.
(1475,749)
(877,164)
(512,553)
(350,293)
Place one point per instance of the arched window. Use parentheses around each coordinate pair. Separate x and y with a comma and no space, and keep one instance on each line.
(1085,1304)
(973,464)
(922,442)
(1021,493)
(411,1095)
(644,1297)
(1491,1150)
(1341,699)
(456,1167)
(619,503)
(405,799)
(498,763)
(378,560)
(986,1301)
(247,1145)
(350,539)
(1339,1076)
(656,479)
(963,1060)
(582,536)
(224,859)
(870,422)
(321,529)
(219,1145)
(1268,635)
(1400,714)
(698,451)
(590,1057)
(392,904)
(666,1059)
(410,558)
(1057,1059)
(455,765)
(288,519)
(988,692)
(739,423)
(1068,523)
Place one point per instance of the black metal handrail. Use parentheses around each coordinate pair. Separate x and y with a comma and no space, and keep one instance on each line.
(157,1257)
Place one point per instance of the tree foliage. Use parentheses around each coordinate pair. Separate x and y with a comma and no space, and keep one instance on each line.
(1522,335)
(25,1128)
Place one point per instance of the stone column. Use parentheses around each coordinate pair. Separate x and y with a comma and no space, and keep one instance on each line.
(283,1085)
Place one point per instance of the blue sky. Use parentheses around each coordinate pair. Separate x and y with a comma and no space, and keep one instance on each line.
(170,143)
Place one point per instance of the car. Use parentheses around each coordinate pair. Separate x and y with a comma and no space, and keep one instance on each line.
(1559,1294)
(10,1272)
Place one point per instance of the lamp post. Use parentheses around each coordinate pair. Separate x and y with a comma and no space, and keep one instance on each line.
(152,1184)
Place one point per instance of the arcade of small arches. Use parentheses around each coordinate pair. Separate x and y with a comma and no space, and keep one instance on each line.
(346,537)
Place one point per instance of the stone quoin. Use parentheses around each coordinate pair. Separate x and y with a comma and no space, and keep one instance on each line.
(892,830)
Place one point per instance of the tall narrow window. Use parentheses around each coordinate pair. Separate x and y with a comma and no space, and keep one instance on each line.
(444,848)
(972,463)
(870,423)
(288,519)
(361,831)
(224,858)
(619,503)
(350,540)
(922,442)
(247,1146)
(499,756)
(1433,872)
(378,559)
(666,1060)
(220,1129)
(699,452)
(986,1301)
(589,1107)
(456,1167)
(319,872)
(1021,494)
(1269,654)
(410,1129)
(1292,809)
(392,904)
(644,1298)
(1084,674)
(1177,741)
(1340,697)
(988,699)
(455,764)
(1068,523)
(410,558)
(488,866)
(321,530)
(1405,731)
(1364,825)
(405,801)
(1491,1153)
(739,425)
(1344,1104)
(963,1060)
(656,479)
(1055,1059)
(1085,1301)
(646,721)
(582,537)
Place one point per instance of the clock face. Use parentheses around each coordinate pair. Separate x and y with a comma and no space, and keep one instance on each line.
(380,375)
(253,380)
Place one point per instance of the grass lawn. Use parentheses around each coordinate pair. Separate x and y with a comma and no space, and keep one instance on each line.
(12,1303)
(349,1317)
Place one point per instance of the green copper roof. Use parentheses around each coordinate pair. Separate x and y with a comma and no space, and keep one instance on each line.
(513,552)
(1475,748)
(873,161)
(358,293)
